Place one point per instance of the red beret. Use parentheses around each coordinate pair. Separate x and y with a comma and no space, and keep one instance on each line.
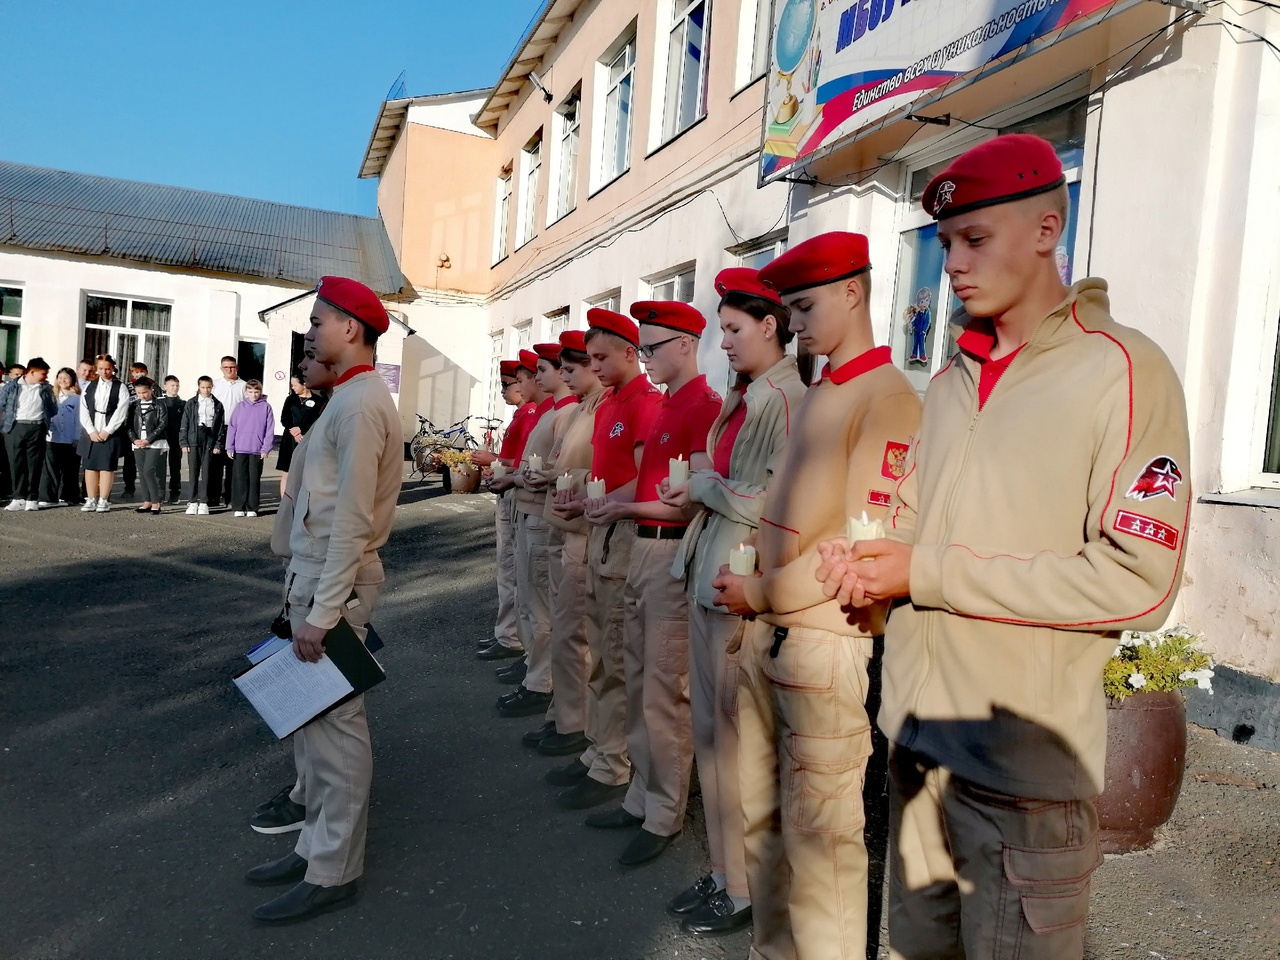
(599,318)
(547,351)
(355,300)
(508,368)
(745,280)
(826,258)
(671,314)
(529,360)
(1007,168)
(574,340)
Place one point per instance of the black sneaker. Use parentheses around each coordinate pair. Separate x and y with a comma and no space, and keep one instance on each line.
(526,703)
(275,801)
(286,817)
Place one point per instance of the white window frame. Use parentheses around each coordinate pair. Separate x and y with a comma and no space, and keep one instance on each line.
(755,27)
(502,217)
(775,245)
(670,284)
(557,323)
(612,300)
(530,173)
(568,145)
(611,130)
(144,336)
(15,322)
(524,334)
(675,79)
(497,406)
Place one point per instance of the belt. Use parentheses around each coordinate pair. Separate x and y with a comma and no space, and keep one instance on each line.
(660,533)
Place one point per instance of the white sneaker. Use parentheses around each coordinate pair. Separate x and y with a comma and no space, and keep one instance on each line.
(17,505)
(239,513)
(34,505)
(62,503)
(45,504)
(250,513)
(103,506)
(89,506)
(204,510)
(192,509)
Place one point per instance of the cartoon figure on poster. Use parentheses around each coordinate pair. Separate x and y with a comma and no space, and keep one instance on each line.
(918,321)
(1063,261)
(795,30)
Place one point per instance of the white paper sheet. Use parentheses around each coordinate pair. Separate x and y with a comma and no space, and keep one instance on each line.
(266,648)
(288,692)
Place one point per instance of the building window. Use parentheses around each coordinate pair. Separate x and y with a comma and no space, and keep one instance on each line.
(502,217)
(530,170)
(686,98)
(760,49)
(251,357)
(567,121)
(620,70)
(129,330)
(673,286)
(10,325)
(557,323)
(524,335)
(606,301)
(762,252)
(497,407)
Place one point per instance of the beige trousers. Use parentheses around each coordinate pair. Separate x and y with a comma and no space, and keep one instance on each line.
(713,695)
(810,815)
(570,654)
(656,661)
(505,628)
(533,598)
(978,875)
(608,556)
(334,755)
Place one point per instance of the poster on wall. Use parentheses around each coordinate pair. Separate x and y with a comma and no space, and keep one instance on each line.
(838,66)
(390,373)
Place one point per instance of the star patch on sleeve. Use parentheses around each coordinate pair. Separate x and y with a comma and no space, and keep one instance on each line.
(878,498)
(1147,528)
(1159,478)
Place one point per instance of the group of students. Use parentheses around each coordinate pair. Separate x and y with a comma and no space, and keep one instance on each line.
(679,579)
(65,440)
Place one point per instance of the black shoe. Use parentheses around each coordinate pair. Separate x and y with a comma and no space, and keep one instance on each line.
(564,744)
(567,775)
(687,901)
(512,673)
(304,901)
(174,499)
(716,918)
(155,511)
(618,818)
(288,869)
(496,651)
(588,793)
(645,847)
(141,509)
(526,703)
(275,801)
(285,817)
(535,737)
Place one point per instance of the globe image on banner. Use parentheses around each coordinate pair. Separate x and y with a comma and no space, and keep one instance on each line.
(795,27)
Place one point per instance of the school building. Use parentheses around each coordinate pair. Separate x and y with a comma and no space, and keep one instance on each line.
(634,148)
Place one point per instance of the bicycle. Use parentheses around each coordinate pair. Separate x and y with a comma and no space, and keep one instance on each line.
(490,438)
(431,438)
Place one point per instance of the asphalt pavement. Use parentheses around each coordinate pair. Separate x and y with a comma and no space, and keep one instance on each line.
(130,766)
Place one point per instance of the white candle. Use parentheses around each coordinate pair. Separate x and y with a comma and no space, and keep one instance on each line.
(595,489)
(742,560)
(863,528)
(678,472)
(564,482)
(535,462)
(499,469)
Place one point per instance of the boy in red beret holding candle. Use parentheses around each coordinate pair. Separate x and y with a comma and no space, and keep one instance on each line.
(621,424)
(1045,508)
(804,733)
(656,651)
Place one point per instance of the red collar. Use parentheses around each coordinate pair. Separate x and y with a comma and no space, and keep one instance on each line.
(697,385)
(863,363)
(978,340)
(544,406)
(638,384)
(354,371)
(560,404)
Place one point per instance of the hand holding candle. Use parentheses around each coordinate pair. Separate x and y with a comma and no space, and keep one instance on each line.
(742,560)
(564,482)
(534,462)
(862,528)
(678,475)
(499,469)
(595,488)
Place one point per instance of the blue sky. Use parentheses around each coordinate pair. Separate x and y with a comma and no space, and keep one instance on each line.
(268,99)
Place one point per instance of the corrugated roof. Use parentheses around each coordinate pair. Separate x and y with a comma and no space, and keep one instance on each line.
(44,209)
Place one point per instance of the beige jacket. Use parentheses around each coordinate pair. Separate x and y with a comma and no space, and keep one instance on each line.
(730,506)
(346,500)
(1042,525)
(541,442)
(839,461)
(572,453)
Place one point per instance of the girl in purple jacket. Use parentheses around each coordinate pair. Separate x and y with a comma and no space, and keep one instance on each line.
(250,436)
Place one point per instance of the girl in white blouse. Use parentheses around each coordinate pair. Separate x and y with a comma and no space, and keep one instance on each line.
(103,411)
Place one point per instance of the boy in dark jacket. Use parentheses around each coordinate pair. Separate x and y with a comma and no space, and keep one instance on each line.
(251,434)
(175,407)
(148,421)
(201,436)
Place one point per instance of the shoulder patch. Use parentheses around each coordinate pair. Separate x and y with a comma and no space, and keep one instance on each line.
(894,466)
(1147,528)
(1159,478)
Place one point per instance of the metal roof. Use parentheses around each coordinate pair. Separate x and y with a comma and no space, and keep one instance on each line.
(44,209)
(537,43)
(391,118)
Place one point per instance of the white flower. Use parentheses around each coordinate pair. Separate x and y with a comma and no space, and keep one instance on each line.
(1130,638)
(1201,677)
(1137,681)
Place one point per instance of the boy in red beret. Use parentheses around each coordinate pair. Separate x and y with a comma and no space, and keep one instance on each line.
(621,424)
(656,651)
(1045,508)
(345,500)
(804,733)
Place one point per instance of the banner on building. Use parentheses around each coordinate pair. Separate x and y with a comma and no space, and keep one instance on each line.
(838,66)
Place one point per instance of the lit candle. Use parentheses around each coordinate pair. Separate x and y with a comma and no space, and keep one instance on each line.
(595,489)
(742,560)
(499,469)
(535,462)
(678,475)
(564,482)
(862,528)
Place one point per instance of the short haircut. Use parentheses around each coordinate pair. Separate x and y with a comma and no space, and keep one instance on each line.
(139,365)
(370,335)
(145,382)
(171,377)
(229,357)
(88,360)
(594,333)
(16,366)
(205,379)
(253,384)
(37,363)
(576,357)
(555,363)
(526,371)
(758,308)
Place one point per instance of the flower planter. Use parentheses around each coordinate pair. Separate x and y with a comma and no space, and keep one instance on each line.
(1146,758)
(464,479)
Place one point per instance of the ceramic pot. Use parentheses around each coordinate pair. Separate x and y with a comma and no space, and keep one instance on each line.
(1146,758)
(464,479)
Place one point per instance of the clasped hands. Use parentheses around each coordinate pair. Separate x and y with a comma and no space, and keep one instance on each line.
(864,572)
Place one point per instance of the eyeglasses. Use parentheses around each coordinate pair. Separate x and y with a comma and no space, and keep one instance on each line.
(648,351)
